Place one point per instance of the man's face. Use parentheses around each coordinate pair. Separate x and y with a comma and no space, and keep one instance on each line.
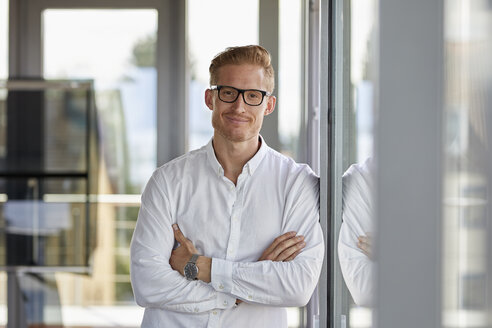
(239,121)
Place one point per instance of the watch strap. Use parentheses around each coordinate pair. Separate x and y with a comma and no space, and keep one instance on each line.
(193,258)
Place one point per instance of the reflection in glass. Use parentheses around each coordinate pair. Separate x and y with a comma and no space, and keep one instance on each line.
(53,152)
(117,50)
(358,267)
(467,164)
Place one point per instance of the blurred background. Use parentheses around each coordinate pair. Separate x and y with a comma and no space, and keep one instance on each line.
(95,95)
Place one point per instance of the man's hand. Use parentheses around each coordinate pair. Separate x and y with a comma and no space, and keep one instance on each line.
(365,245)
(284,248)
(181,255)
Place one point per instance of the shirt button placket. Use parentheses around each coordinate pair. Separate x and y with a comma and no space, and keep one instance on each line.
(235,223)
(213,319)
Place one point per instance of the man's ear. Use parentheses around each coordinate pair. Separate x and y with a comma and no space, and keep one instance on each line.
(270,105)
(209,99)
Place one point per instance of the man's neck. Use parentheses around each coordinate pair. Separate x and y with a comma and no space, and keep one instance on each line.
(234,155)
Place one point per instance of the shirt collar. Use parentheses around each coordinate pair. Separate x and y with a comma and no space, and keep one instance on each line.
(254,162)
(251,165)
(212,159)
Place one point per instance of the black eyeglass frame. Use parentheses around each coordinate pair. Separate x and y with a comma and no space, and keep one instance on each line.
(240,91)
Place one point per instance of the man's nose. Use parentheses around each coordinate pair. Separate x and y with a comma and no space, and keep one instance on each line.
(239,104)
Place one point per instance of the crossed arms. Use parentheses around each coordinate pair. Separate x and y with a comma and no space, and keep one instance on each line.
(268,281)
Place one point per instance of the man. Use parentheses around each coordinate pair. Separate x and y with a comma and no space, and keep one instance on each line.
(354,243)
(246,211)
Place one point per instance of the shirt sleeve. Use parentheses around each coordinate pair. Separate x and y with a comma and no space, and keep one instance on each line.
(280,283)
(155,284)
(358,270)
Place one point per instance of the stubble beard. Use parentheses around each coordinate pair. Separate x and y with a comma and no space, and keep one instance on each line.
(221,129)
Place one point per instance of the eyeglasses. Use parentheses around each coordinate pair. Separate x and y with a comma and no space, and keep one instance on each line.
(251,97)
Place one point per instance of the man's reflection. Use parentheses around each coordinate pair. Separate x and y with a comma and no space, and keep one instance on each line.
(354,244)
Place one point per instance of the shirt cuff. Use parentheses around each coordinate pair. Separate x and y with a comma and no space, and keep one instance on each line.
(225,301)
(221,275)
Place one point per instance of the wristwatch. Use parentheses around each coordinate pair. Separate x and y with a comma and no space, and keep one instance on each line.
(190,269)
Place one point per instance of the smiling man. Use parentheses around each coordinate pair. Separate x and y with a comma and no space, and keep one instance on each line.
(244,217)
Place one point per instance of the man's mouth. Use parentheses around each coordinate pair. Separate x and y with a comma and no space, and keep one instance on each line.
(236,119)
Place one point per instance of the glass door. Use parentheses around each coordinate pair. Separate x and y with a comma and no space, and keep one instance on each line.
(117,49)
(121,48)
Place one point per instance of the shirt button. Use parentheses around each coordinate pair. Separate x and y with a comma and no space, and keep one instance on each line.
(196,310)
(221,286)
(215,312)
(225,303)
(250,297)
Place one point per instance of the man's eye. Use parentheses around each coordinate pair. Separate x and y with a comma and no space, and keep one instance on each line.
(228,92)
(253,95)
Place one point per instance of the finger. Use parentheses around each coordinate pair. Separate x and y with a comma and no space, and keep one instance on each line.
(365,239)
(290,251)
(365,248)
(361,244)
(293,256)
(278,240)
(286,244)
(178,235)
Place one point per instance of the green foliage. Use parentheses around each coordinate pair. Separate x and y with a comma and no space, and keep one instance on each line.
(144,52)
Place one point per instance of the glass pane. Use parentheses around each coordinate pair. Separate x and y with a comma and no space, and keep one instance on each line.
(116,49)
(358,267)
(46,166)
(290,79)
(41,228)
(467,164)
(4,44)
(59,144)
(212,26)
(362,79)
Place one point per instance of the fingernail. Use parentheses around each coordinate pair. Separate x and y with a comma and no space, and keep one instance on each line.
(303,244)
(293,233)
(175,226)
(300,238)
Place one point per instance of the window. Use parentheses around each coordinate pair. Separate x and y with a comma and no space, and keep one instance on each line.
(117,49)
(212,26)
(291,106)
(466,176)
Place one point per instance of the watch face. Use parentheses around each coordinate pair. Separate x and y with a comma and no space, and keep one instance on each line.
(190,271)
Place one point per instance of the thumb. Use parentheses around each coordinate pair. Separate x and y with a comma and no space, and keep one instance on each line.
(178,235)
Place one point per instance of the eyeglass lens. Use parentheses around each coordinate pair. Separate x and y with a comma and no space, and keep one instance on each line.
(250,97)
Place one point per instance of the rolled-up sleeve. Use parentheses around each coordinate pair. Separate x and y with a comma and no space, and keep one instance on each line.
(358,270)
(288,283)
(155,284)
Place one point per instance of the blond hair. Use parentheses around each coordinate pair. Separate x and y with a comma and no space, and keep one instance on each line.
(253,54)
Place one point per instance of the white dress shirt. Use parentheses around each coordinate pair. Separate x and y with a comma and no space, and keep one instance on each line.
(358,207)
(232,224)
